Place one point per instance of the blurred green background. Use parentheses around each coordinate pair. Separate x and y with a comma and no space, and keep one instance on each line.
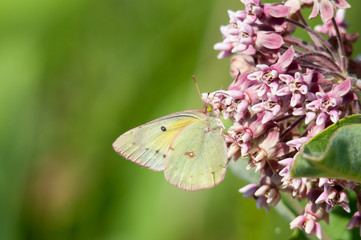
(75,75)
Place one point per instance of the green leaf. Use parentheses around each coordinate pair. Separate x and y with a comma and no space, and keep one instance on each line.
(333,153)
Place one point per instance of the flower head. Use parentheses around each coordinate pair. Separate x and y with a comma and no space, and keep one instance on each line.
(286,91)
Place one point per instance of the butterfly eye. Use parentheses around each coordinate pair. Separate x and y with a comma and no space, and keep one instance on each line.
(209,109)
(163,128)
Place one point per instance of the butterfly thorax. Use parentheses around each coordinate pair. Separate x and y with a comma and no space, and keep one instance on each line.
(215,123)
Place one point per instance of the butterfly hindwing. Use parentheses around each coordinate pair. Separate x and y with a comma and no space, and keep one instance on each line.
(147,144)
(197,157)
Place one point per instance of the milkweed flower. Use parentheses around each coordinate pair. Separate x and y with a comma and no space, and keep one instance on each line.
(283,84)
(326,8)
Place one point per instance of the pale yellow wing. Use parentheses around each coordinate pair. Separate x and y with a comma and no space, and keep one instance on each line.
(147,144)
(197,157)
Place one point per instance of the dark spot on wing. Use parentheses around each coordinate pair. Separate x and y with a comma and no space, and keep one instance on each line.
(189,154)
(163,128)
(146,149)
(164,155)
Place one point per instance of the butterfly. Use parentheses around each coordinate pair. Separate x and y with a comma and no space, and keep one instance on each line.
(188,146)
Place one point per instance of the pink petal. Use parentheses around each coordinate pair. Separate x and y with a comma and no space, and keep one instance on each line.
(270,40)
(246,28)
(345,207)
(309,117)
(246,41)
(267,117)
(294,5)
(322,181)
(286,78)
(223,46)
(333,102)
(263,67)
(275,10)
(246,137)
(303,89)
(253,2)
(242,106)
(255,76)
(297,183)
(313,106)
(236,94)
(273,74)
(258,107)
(286,162)
(239,48)
(321,119)
(244,148)
(284,172)
(310,224)
(250,50)
(276,110)
(298,77)
(297,222)
(322,198)
(232,16)
(342,88)
(274,87)
(334,116)
(270,140)
(261,201)
(329,208)
(295,99)
(322,29)
(224,54)
(343,197)
(283,91)
(340,16)
(326,10)
(248,190)
(250,19)
(284,61)
(342,4)
(257,10)
(262,190)
(318,230)
(315,10)
(355,221)
(298,111)
(297,143)
(262,90)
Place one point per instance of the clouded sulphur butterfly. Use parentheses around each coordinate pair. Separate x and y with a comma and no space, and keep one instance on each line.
(188,146)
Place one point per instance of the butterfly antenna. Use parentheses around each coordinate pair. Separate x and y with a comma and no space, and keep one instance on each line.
(199,92)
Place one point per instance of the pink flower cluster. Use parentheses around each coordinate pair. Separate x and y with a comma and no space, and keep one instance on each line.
(285,91)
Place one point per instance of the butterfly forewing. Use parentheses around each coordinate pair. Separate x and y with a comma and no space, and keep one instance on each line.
(147,144)
(197,157)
